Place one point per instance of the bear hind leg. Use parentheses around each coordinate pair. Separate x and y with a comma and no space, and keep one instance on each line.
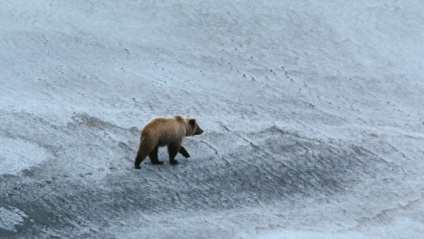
(154,156)
(140,157)
(143,151)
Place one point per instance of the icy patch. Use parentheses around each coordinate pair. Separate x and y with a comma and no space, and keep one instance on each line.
(17,155)
(310,235)
(10,217)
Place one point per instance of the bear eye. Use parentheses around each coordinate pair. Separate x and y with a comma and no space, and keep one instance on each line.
(192,123)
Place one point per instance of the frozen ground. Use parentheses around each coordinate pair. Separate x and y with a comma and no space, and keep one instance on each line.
(312,111)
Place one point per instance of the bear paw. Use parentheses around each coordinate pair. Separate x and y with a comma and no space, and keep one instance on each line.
(173,162)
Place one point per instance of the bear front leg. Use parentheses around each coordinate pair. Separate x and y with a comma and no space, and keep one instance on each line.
(173,150)
(184,152)
(154,156)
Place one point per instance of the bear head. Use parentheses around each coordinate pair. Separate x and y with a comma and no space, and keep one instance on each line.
(193,128)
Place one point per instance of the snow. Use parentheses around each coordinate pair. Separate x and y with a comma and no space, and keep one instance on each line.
(18,155)
(10,217)
(312,113)
(311,235)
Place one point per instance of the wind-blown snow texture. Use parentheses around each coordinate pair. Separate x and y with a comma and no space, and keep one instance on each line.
(312,111)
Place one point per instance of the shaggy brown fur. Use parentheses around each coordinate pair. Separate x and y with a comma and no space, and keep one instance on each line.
(165,132)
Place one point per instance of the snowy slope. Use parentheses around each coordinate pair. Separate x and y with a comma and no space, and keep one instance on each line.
(312,112)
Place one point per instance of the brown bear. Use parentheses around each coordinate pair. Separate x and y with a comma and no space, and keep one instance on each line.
(165,132)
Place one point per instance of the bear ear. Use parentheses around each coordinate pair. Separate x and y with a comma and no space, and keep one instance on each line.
(192,122)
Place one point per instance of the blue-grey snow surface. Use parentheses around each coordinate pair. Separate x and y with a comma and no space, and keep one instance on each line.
(313,115)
